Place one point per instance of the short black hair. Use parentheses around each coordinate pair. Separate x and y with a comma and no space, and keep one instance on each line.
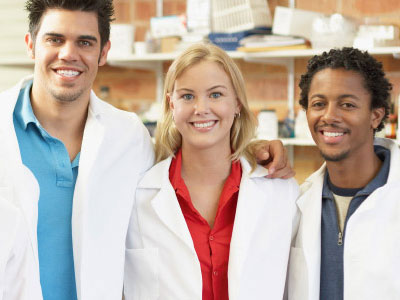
(103,8)
(351,59)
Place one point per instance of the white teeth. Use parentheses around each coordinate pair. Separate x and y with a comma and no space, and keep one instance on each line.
(333,134)
(203,125)
(68,73)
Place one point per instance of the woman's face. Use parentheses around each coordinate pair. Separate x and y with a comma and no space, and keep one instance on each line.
(204,104)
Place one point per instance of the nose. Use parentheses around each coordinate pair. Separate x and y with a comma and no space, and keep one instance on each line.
(331,114)
(68,52)
(201,106)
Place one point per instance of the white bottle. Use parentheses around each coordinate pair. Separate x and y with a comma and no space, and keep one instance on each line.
(267,124)
(301,130)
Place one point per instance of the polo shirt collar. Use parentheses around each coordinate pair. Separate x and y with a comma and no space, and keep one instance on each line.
(24,111)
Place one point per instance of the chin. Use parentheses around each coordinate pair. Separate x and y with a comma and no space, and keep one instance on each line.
(334,157)
(69,96)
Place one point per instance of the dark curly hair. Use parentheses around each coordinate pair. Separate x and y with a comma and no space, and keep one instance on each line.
(351,59)
(103,8)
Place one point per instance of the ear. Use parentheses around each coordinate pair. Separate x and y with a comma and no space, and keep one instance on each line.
(30,45)
(104,53)
(377,116)
(238,106)
(171,103)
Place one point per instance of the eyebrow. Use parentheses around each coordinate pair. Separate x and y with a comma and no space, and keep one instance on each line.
(217,86)
(184,90)
(81,37)
(340,97)
(349,96)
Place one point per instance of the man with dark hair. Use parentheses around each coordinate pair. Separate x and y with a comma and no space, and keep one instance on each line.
(53,124)
(347,246)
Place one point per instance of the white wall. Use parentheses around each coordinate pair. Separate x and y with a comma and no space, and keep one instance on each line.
(13,26)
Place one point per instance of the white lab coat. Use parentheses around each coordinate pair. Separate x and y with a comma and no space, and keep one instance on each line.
(116,150)
(161,261)
(19,275)
(372,241)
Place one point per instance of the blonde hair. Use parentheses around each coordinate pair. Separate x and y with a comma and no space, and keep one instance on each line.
(168,138)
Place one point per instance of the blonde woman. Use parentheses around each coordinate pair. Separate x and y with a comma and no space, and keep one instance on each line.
(207,224)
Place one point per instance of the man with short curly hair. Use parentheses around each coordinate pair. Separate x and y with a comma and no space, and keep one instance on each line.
(347,246)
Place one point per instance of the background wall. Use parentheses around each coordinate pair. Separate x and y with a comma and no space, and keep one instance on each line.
(135,90)
(266,84)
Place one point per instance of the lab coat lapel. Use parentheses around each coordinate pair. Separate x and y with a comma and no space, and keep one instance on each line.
(26,188)
(310,206)
(92,139)
(165,203)
(247,213)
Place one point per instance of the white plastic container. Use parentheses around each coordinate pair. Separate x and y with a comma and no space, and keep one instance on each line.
(267,124)
(301,129)
(121,37)
(239,15)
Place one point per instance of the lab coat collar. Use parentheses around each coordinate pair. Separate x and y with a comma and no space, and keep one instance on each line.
(310,206)
(165,203)
(158,176)
(25,188)
(250,203)
(394,172)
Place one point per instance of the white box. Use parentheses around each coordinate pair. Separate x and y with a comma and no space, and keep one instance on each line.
(292,21)
(239,15)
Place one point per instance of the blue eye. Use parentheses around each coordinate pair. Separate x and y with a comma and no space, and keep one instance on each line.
(215,95)
(187,97)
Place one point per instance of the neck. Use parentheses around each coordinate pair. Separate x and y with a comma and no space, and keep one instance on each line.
(62,120)
(206,166)
(354,173)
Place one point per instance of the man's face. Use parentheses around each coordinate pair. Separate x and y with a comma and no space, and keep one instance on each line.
(339,114)
(67,54)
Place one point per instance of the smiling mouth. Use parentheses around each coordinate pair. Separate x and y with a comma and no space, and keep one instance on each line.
(68,73)
(332,134)
(204,125)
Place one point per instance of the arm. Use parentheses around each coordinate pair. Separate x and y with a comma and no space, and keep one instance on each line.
(272,155)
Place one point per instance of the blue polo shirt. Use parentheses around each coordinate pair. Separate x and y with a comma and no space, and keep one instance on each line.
(331,280)
(48,160)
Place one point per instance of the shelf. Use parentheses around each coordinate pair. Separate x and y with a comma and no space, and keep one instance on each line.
(16,62)
(162,57)
(133,60)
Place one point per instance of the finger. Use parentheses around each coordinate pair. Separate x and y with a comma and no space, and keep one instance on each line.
(279,161)
(261,150)
(289,175)
(284,173)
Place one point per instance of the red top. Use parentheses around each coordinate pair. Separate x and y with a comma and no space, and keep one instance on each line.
(211,244)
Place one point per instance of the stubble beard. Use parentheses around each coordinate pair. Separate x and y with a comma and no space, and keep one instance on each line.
(65,96)
(335,157)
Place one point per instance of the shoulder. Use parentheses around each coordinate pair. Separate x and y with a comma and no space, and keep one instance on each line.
(112,116)
(119,124)
(287,187)
(316,178)
(157,176)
